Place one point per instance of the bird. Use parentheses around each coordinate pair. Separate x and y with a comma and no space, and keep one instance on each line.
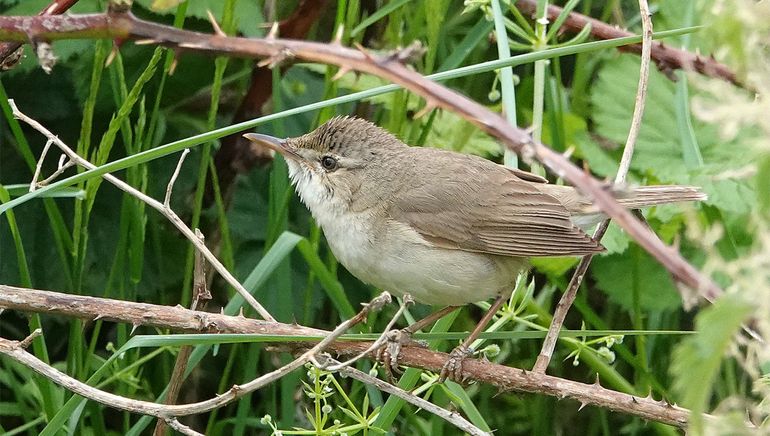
(444,227)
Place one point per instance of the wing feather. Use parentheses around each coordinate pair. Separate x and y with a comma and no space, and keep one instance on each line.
(487,208)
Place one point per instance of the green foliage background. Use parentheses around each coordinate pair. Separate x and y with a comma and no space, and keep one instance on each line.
(94,240)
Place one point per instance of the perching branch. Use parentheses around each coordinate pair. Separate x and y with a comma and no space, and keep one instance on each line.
(180,319)
(168,412)
(625,164)
(115,25)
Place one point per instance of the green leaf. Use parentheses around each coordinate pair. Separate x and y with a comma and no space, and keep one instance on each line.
(696,361)
(452,132)
(618,275)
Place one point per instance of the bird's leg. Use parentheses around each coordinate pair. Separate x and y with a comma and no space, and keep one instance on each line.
(453,368)
(389,352)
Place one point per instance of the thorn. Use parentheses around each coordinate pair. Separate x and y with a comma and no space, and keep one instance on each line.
(273,31)
(133,329)
(582,405)
(111,57)
(217,30)
(342,71)
(596,382)
(425,110)
(98,317)
(147,41)
(174,63)
(363,51)
(338,35)
(240,312)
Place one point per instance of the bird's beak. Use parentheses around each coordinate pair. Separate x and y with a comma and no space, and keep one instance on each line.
(275,144)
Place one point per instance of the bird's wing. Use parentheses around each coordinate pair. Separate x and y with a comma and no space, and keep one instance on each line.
(486,208)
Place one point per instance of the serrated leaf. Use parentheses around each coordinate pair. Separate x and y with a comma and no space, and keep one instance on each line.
(452,132)
(615,240)
(619,275)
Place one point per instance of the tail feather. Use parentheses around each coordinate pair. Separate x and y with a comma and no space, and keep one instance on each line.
(645,196)
(585,214)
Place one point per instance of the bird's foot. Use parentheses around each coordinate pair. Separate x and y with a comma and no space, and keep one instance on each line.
(453,368)
(389,352)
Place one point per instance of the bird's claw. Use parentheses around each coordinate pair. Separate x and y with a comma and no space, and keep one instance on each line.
(453,368)
(389,352)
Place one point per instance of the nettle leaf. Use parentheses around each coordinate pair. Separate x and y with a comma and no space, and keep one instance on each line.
(615,240)
(452,132)
(659,148)
(619,276)
(696,361)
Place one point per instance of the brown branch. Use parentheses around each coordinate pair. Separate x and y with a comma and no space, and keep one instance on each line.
(11,52)
(180,319)
(667,58)
(566,300)
(126,26)
(167,412)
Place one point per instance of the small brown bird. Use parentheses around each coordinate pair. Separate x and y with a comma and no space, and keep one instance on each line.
(447,228)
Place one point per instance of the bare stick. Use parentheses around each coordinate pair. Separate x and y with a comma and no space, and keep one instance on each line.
(15,350)
(170,186)
(449,416)
(155,204)
(549,344)
(63,166)
(39,165)
(180,319)
(200,293)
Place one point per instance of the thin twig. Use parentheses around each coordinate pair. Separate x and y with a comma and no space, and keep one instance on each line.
(200,293)
(172,180)
(549,344)
(63,166)
(15,350)
(39,165)
(449,416)
(502,377)
(155,204)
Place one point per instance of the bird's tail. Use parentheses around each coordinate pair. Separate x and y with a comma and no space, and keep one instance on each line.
(586,214)
(645,196)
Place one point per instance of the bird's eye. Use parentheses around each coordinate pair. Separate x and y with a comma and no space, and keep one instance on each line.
(329,163)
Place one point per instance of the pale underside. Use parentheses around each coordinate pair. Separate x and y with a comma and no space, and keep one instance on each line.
(440,250)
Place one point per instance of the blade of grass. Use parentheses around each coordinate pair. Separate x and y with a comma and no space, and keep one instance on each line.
(378,15)
(506,78)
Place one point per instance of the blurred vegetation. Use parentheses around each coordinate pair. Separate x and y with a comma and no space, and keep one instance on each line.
(95,240)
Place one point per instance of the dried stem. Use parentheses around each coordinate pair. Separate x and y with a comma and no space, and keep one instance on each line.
(155,204)
(126,26)
(549,344)
(15,350)
(180,319)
